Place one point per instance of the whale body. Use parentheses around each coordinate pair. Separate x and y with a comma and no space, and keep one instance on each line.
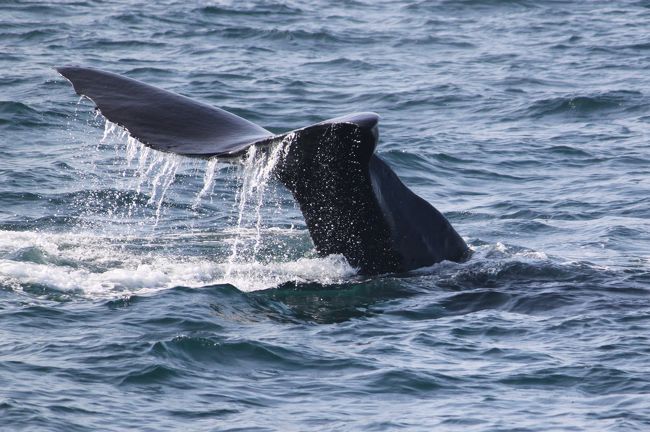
(352,201)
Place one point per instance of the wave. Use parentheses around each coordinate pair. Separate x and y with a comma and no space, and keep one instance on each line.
(18,113)
(263,10)
(35,36)
(582,106)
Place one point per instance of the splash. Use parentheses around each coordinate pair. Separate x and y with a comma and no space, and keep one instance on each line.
(155,170)
(153,173)
(167,165)
(112,130)
(133,147)
(253,276)
(257,168)
(96,266)
(247,253)
(208,181)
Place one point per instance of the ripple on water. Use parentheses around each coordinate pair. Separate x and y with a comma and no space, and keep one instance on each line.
(586,106)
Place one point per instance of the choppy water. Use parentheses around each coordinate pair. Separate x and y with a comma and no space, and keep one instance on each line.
(147,292)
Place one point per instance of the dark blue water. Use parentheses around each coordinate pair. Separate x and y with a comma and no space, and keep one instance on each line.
(140,291)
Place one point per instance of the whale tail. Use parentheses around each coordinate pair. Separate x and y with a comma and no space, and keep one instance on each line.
(353,203)
(169,122)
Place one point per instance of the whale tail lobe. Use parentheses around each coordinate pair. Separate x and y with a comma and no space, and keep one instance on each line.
(169,122)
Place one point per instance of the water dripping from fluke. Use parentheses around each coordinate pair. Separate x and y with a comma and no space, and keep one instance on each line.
(209,176)
(155,170)
(248,253)
(257,169)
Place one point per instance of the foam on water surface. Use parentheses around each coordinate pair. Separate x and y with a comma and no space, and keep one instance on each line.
(100,267)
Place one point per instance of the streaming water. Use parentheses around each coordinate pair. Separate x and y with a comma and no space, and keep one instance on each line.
(211,170)
(252,197)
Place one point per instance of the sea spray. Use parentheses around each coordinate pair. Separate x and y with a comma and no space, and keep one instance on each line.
(133,146)
(257,169)
(155,170)
(110,130)
(164,177)
(208,181)
(148,176)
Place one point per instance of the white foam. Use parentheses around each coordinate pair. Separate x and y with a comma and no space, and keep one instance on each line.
(99,267)
(253,275)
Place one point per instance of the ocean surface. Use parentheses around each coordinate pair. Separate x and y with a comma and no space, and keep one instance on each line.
(143,291)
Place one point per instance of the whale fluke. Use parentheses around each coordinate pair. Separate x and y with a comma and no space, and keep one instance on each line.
(164,120)
(169,122)
(352,201)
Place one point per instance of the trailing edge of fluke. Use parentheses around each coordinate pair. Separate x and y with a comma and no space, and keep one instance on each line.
(352,201)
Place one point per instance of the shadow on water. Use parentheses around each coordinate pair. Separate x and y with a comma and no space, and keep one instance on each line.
(540,287)
(290,303)
(325,304)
